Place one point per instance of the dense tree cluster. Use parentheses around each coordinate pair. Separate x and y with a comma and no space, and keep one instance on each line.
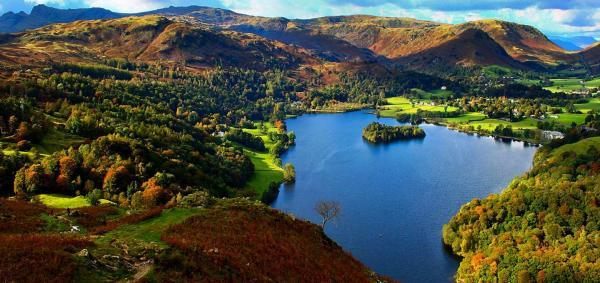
(544,226)
(504,107)
(372,90)
(147,139)
(245,139)
(377,133)
(121,167)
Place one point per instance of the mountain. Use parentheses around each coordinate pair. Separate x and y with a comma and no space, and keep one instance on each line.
(387,37)
(522,42)
(470,48)
(344,39)
(42,15)
(573,43)
(591,57)
(150,39)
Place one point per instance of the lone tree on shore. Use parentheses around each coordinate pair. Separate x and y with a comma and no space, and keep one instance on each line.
(289,173)
(328,210)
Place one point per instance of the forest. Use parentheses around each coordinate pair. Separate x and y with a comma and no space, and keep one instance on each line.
(380,133)
(543,227)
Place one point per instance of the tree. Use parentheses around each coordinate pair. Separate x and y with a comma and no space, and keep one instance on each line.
(289,173)
(328,210)
(94,196)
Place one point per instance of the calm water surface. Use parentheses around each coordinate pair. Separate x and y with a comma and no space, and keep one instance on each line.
(396,197)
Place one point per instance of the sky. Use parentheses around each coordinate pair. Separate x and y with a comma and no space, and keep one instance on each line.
(554,17)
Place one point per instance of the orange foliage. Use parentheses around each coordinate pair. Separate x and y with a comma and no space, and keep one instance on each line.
(67,166)
(62,182)
(479,209)
(477,261)
(153,194)
(280,125)
(114,177)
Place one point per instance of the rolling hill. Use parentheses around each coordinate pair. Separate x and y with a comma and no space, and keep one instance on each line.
(149,39)
(469,48)
(350,39)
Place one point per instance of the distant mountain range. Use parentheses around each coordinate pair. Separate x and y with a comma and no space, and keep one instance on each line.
(42,15)
(206,35)
(573,43)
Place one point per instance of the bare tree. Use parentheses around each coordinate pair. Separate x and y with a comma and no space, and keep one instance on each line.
(328,210)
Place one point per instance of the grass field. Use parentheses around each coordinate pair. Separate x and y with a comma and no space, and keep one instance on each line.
(491,124)
(438,93)
(568,118)
(266,169)
(150,230)
(55,140)
(578,147)
(399,105)
(62,201)
(572,84)
(467,117)
(593,104)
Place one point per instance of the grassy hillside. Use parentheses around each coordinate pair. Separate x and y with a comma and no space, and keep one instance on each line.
(544,226)
(171,244)
(242,241)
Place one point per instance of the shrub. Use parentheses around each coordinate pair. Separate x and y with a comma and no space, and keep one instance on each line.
(94,196)
(195,200)
(289,173)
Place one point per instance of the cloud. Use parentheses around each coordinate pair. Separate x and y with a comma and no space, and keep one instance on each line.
(462,5)
(130,6)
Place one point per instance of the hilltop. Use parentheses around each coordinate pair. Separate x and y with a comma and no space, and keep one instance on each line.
(358,38)
(150,39)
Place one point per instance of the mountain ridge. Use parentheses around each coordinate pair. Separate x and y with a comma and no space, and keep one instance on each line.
(357,38)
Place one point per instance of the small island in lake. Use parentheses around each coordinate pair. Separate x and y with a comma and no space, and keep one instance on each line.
(380,133)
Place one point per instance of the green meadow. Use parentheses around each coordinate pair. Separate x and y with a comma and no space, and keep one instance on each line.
(62,201)
(266,168)
(402,105)
(572,84)
(568,118)
(491,124)
(592,104)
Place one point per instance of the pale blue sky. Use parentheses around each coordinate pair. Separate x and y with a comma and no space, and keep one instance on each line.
(552,17)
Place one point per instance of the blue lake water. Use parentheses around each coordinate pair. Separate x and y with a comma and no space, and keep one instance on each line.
(395,198)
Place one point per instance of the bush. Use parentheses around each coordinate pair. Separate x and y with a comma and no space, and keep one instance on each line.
(197,199)
(289,173)
(94,197)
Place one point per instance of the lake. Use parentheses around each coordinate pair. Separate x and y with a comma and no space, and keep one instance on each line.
(396,197)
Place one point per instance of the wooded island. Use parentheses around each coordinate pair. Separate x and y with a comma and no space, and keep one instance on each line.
(380,133)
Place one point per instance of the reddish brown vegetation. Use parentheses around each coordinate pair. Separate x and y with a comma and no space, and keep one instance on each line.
(38,258)
(130,219)
(243,242)
(94,216)
(20,217)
